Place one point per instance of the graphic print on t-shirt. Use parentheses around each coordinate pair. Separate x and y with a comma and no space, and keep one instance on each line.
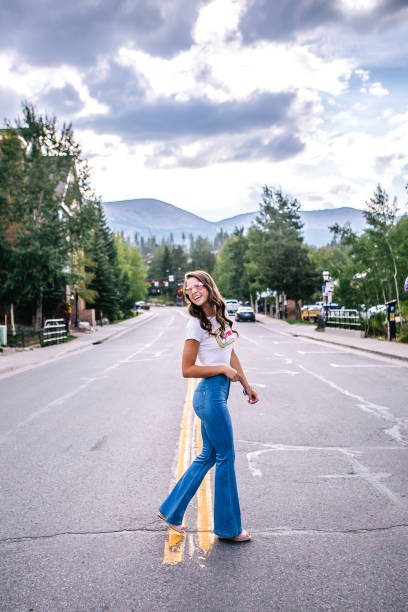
(224,339)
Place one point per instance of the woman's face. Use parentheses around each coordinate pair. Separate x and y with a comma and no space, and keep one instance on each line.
(196,291)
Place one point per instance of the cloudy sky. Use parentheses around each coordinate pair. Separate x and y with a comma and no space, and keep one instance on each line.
(199,103)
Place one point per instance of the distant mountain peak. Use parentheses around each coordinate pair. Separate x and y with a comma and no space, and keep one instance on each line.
(152,217)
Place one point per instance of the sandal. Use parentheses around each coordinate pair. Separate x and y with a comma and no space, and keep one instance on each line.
(244,536)
(177,528)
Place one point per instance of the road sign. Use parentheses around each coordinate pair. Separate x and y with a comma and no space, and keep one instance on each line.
(328,287)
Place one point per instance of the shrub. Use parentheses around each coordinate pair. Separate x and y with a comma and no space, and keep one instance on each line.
(403,335)
(375,325)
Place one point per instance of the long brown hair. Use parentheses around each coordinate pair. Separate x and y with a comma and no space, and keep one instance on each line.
(214,299)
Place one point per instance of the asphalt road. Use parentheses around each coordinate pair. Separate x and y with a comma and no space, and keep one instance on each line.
(91,444)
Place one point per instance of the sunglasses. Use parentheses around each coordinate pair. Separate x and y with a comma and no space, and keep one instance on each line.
(196,287)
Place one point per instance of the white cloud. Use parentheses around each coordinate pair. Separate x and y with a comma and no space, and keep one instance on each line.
(363,74)
(227,71)
(32,83)
(360,5)
(347,149)
(398,119)
(216,21)
(376,89)
(346,118)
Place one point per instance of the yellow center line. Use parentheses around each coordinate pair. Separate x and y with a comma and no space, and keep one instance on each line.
(174,547)
(205,522)
(175,543)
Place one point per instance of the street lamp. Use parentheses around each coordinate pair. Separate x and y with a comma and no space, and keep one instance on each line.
(327,279)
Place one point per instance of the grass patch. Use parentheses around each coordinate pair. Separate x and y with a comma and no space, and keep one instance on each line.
(301,321)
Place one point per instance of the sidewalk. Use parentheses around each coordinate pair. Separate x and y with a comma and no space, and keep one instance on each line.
(18,360)
(341,337)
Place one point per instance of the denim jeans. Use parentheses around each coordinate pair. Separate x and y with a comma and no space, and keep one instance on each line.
(210,405)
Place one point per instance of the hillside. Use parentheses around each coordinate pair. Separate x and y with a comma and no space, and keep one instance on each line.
(153,217)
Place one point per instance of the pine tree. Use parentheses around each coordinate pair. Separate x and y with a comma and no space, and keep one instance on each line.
(277,258)
(46,209)
(106,271)
(202,256)
(230,273)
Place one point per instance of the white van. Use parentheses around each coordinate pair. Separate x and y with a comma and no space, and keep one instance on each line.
(232,306)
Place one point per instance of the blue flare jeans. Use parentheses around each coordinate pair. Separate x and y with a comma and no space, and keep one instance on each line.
(210,405)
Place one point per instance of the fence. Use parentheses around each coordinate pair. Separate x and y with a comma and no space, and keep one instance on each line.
(54,331)
(346,319)
(22,338)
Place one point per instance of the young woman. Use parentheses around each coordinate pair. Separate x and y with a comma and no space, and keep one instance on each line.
(210,338)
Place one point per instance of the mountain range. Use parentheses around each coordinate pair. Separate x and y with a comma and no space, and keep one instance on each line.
(150,217)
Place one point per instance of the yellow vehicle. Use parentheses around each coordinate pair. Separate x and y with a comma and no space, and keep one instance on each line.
(310,312)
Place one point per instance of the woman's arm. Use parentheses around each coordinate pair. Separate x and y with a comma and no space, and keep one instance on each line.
(236,364)
(191,370)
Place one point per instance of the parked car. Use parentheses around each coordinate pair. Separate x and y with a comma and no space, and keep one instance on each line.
(376,309)
(310,312)
(245,313)
(141,305)
(232,306)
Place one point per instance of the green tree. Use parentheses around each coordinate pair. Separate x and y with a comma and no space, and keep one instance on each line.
(277,258)
(132,283)
(178,262)
(45,207)
(202,256)
(335,257)
(381,219)
(168,261)
(230,272)
(358,279)
(376,261)
(160,265)
(220,239)
(105,269)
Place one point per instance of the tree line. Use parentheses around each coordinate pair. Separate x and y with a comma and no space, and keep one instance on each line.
(271,257)
(369,269)
(53,232)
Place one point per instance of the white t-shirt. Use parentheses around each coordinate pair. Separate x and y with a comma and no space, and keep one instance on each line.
(213,350)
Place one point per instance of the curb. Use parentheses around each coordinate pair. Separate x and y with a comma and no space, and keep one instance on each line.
(10,370)
(119,332)
(352,346)
(346,345)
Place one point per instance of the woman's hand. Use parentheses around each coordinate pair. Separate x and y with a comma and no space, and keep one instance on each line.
(252,396)
(232,374)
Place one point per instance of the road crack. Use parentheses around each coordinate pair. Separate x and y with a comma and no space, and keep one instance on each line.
(269,531)
(80,533)
(351,531)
